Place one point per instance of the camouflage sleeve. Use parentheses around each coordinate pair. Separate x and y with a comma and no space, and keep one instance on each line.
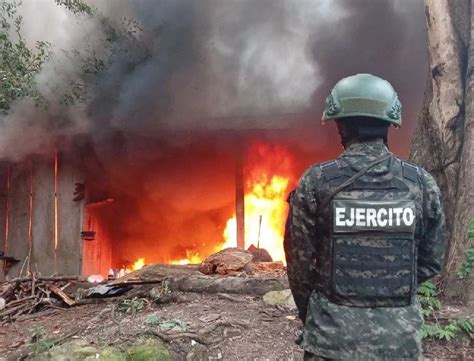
(432,244)
(299,251)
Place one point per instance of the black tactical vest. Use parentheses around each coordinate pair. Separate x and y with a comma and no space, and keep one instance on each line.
(368,227)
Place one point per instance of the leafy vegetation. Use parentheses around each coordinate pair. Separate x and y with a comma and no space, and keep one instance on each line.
(449,331)
(432,328)
(468,264)
(39,344)
(430,302)
(19,63)
(132,306)
(428,298)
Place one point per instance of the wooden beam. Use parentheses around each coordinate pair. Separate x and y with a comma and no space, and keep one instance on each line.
(43,250)
(3,212)
(19,217)
(240,198)
(69,244)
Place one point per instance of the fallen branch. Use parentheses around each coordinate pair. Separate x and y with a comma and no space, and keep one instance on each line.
(48,279)
(20,301)
(168,337)
(203,336)
(54,311)
(14,310)
(222,323)
(230,298)
(60,293)
(256,286)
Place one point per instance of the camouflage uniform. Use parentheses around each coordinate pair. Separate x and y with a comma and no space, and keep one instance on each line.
(336,331)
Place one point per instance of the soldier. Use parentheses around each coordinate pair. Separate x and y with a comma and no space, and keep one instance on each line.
(362,231)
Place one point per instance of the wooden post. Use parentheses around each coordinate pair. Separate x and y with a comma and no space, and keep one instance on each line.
(239,198)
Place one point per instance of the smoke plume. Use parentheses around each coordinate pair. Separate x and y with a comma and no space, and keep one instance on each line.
(214,65)
(156,99)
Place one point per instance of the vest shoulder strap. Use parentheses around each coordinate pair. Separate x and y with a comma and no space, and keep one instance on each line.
(330,170)
(410,171)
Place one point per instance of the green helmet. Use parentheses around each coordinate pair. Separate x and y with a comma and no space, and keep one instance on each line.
(363,95)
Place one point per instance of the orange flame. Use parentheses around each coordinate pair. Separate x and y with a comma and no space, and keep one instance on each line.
(265,201)
(191,258)
(268,174)
(138,264)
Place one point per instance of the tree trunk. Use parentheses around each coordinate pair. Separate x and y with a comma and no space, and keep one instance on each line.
(256,286)
(444,140)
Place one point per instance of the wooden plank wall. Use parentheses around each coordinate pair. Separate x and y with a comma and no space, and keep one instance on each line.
(69,250)
(18,239)
(3,212)
(43,250)
(32,236)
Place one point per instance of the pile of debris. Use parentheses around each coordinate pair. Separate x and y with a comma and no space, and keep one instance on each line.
(21,297)
(231,270)
(238,262)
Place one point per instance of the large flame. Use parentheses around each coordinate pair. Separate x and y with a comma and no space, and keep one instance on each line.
(268,175)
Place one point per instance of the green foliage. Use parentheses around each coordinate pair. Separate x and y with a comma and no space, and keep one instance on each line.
(466,325)
(131,306)
(447,332)
(428,298)
(470,229)
(19,63)
(429,302)
(152,320)
(468,264)
(38,344)
(173,325)
(76,6)
(37,333)
(166,324)
(42,346)
(122,41)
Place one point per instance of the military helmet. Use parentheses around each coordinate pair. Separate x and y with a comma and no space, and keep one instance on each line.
(363,95)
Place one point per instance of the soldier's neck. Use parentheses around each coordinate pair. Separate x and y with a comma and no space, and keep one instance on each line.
(356,141)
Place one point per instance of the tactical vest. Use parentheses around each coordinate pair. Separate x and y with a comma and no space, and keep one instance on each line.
(368,225)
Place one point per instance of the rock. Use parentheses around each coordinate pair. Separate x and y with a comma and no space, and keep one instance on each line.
(81,350)
(227,261)
(280,298)
(149,350)
(2,303)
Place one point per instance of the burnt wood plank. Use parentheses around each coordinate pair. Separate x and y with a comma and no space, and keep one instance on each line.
(3,211)
(18,246)
(69,248)
(43,250)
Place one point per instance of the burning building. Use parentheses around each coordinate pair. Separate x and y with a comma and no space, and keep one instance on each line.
(191,140)
(143,202)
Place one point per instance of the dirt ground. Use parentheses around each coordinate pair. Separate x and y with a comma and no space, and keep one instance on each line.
(248,329)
